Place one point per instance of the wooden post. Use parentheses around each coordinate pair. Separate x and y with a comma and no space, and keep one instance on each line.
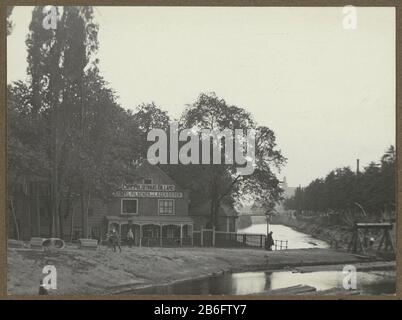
(389,241)
(351,243)
(192,235)
(17,229)
(213,236)
(181,234)
(140,235)
(381,241)
(160,235)
(202,236)
(37,209)
(30,217)
(267,225)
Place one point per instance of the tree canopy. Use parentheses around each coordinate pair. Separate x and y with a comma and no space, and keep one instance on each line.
(344,190)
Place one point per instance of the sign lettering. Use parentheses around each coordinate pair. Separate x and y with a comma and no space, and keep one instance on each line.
(149,187)
(147,194)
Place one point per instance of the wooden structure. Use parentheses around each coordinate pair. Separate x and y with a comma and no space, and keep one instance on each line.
(222,239)
(307,290)
(11,243)
(54,243)
(154,231)
(88,244)
(358,243)
(36,243)
(293,290)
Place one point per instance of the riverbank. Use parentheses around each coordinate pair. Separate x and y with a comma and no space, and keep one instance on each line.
(328,233)
(107,272)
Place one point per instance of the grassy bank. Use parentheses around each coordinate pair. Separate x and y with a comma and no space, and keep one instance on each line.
(105,272)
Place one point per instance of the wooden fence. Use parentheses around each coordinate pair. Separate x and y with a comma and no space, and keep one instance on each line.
(213,238)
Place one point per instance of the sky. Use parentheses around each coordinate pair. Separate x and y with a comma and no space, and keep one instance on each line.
(327,92)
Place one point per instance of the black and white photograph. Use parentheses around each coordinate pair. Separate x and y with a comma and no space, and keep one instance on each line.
(201,150)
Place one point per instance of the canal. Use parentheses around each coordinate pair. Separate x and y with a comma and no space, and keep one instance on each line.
(378,282)
(296,240)
(370,282)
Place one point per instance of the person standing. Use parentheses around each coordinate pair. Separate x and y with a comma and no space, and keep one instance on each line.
(115,240)
(130,238)
(269,242)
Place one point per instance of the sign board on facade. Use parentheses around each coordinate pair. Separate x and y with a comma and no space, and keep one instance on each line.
(149,187)
(147,194)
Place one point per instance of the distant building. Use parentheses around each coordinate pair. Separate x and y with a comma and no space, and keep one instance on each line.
(227,216)
(288,191)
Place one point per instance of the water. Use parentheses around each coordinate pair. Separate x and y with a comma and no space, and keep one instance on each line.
(375,282)
(296,240)
(379,282)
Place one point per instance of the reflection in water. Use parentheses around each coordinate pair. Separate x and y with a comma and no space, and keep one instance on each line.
(379,282)
(296,240)
(376,282)
(249,282)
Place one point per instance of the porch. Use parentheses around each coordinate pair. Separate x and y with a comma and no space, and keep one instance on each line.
(154,231)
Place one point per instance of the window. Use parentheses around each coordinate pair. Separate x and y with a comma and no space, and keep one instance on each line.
(166,206)
(147,181)
(129,206)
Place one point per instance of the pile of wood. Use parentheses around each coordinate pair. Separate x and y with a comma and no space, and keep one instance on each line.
(306,290)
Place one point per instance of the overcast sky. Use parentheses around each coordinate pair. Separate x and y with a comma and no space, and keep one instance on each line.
(328,93)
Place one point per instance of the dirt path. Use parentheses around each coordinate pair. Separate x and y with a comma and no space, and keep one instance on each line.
(104,271)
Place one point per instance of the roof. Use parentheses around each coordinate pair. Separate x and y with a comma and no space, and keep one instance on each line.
(147,170)
(205,209)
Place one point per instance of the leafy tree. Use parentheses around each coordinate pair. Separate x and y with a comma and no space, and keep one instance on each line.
(149,116)
(221,183)
(343,190)
(65,125)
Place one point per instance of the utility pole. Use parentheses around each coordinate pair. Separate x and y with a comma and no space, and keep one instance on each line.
(268,217)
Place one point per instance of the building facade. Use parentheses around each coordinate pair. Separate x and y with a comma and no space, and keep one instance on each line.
(153,206)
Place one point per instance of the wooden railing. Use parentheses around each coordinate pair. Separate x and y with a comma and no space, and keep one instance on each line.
(166,242)
(212,238)
(281,244)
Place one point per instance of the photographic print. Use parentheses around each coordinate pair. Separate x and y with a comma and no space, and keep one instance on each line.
(205,150)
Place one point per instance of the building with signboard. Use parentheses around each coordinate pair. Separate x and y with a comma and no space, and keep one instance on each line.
(153,206)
